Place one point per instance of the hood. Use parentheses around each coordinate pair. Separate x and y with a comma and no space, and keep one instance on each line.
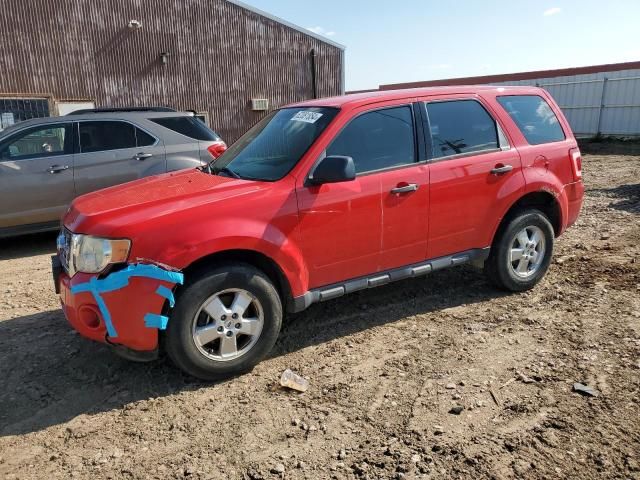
(100,212)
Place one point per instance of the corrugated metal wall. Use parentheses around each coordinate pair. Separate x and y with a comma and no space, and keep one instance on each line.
(605,102)
(220,56)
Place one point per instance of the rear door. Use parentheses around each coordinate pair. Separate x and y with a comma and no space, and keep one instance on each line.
(113,152)
(475,173)
(36,174)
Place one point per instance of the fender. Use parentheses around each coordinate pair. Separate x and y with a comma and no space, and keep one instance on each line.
(537,181)
(187,245)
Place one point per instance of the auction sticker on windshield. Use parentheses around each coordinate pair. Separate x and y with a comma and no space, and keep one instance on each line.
(308,117)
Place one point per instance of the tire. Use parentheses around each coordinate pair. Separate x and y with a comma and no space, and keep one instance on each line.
(526,270)
(203,318)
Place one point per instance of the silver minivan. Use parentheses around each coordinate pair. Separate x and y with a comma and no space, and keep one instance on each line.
(46,162)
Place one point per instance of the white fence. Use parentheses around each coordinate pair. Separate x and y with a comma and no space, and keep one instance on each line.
(606,103)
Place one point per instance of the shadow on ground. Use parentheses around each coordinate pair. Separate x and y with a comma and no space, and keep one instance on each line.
(626,197)
(28,245)
(52,375)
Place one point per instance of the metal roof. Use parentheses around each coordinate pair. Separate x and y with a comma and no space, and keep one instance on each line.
(285,22)
(507,77)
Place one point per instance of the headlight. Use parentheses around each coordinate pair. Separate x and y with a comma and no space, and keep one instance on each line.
(94,254)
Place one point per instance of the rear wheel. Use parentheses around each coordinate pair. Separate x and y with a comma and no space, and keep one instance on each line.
(522,251)
(224,322)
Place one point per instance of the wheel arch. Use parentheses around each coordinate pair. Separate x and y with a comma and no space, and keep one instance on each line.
(543,200)
(251,257)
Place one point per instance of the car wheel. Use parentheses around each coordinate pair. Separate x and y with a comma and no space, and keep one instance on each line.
(521,252)
(225,321)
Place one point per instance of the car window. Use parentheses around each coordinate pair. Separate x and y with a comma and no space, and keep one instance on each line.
(461,126)
(143,139)
(188,126)
(106,135)
(534,117)
(275,144)
(35,142)
(377,140)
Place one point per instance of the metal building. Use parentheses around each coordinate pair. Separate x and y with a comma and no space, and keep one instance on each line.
(225,60)
(600,99)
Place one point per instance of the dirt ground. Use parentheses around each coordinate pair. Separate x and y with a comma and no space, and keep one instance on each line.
(386,366)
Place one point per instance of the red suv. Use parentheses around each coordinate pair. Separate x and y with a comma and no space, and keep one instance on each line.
(318,200)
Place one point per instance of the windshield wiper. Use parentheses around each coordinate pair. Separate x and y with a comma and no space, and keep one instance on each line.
(228,171)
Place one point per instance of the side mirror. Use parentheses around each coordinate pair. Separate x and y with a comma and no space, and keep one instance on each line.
(333,169)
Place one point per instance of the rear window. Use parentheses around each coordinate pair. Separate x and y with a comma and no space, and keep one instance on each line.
(101,135)
(534,117)
(461,127)
(189,126)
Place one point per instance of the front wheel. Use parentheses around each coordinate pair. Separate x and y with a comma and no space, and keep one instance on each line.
(521,253)
(224,322)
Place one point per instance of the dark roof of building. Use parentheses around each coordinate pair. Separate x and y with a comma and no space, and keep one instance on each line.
(506,77)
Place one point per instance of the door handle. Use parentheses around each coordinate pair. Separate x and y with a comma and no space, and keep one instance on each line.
(501,169)
(142,156)
(405,188)
(57,168)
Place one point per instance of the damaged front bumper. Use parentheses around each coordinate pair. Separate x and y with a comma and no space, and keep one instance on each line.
(123,308)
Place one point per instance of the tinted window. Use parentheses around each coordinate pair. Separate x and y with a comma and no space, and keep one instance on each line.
(143,139)
(188,126)
(42,141)
(275,144)
(461,126)
(377,140)
(108,135)
(534,117)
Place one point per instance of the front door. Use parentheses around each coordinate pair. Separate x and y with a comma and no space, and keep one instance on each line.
(36,175)
(113,152)
(360,227)
(475,175)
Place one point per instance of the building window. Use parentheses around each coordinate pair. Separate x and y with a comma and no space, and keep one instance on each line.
(14,110)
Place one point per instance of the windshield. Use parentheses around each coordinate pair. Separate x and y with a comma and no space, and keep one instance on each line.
(275,144)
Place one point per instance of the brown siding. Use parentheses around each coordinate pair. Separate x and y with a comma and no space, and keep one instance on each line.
(221,56)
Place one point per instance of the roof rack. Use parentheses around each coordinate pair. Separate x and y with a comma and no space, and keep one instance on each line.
(121,109)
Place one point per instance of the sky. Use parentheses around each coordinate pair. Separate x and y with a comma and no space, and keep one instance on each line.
(411,40)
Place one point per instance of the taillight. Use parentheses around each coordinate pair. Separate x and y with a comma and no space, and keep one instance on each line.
(217,148)
(576,163)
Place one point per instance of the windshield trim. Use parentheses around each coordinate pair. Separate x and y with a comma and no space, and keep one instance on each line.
(273,113)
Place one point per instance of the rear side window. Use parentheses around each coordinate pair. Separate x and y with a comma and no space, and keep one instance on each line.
(534,117)
(459,127)
(36,142)
(188,126)
(377,140)
(106,135)
(143,139)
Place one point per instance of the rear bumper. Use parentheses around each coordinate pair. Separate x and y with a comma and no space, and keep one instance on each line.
(575,196)
(127,307)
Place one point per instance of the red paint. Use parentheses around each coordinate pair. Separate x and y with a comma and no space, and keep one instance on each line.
(319,235)
(217,148)
(127,307)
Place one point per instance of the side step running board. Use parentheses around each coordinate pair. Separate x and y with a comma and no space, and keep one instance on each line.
(381,278)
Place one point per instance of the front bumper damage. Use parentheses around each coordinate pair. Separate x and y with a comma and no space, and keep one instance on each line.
(123,308)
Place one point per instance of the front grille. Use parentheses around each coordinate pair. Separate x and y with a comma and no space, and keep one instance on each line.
(64,248)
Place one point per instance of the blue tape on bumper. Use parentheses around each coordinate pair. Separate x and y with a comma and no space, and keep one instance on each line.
(120,279)
(151,320)
(166,293)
